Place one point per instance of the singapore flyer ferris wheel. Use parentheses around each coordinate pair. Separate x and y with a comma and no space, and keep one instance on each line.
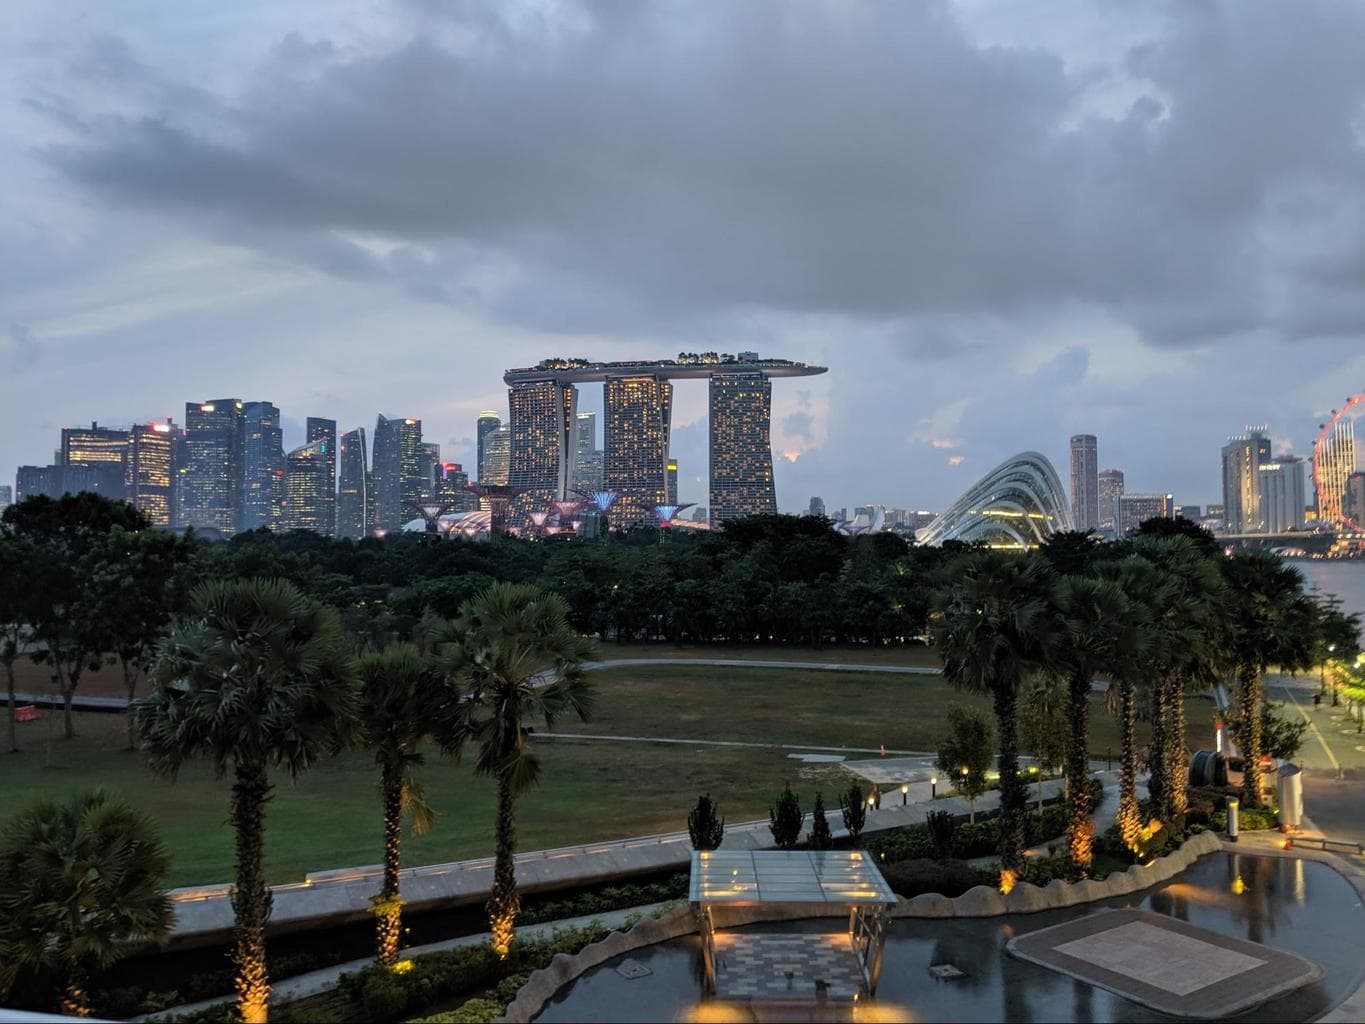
(1334,460)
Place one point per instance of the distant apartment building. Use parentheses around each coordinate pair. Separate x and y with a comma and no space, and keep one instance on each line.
(1243,457)
(816,507)
(1109,486)
(1085,499)
(1281,486)
(1132,510)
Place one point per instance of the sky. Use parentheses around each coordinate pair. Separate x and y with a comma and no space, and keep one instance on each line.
(998,224)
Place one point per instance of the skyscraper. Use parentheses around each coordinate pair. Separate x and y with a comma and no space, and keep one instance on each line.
(212,480)
(1132,510)
(543,416)
(150,471)
(817,506)
(452,488)
(584,447)
(1353,504)
(307,486)
(325,432)
(263,494)
(1085,496)
(741,447)
(1334,460)
(1109,485)
(672,481)
(1281,494)
(497,457)
(103,452)
(353,496)
(635,465)
(1243,457)
(487,423)
(397,471)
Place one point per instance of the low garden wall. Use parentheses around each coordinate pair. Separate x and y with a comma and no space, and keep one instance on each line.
(981,901)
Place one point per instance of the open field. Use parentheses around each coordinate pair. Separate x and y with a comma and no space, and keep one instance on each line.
(590,790)
(916,656)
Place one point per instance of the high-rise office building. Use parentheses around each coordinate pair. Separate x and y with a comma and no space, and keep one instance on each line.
(1085,495)
(396,470)
(1281,494)
(488,422)
(544,417)
(1132,510)
(452,488)
(353,494)
(1243,457)
(325,432)
(1108,485)
(672,481)
(150,471)
(30,481)
(741,447)
(212,480)
(639,411)
(263,483)
(307,486)
(1353,504)
(497,457)
(429,461)
(1191,512)
(1334,460)
(103,452)
(584,447)
(817,507)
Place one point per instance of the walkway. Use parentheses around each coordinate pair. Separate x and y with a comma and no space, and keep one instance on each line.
(203,914)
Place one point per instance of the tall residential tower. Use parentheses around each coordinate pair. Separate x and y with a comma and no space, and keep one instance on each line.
(1085,497)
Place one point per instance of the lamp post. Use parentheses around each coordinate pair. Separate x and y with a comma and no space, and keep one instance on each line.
(905,793)
(933,787)
(1335,701)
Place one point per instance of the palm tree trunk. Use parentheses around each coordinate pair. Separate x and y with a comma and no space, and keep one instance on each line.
(13,709)
(250,897)
(1249,735)
(1178,766)
(1157,781)
(389,906)
(130,674)
(1013,791)
(504,901)
(1129,819)
(1080,829)
(75,999)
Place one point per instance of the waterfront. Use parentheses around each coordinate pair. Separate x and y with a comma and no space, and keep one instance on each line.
(1344,578)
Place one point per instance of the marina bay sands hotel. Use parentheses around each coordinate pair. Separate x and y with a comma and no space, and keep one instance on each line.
(543,402)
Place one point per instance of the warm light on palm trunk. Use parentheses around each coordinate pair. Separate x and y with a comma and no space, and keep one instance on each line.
(504,902)
(250,896)
(1128,817)
(388,907)
(1080,829)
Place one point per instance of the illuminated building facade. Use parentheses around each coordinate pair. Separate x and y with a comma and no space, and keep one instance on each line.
(635,458)
(452,489)
(263,494)
(307,485)
(321,431)
(1109,486)
(672,481)
(396,471)
(498,457)
(429,459)
(1018,504)
(150,471)
(1353,504)
(1281,494)
(1334,460)
(1132,510)
(101,451)
(584,448)
(488,422)
(543,420)
(1085,495)
(741,449)
(212,481)
(1243,457)
(353,488)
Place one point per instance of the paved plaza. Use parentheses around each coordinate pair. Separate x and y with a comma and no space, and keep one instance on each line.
(1165,963)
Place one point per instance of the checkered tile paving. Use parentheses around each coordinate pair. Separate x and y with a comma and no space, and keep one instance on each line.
(758,966)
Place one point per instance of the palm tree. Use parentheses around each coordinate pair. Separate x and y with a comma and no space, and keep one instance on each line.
(993,627)
(257,676)
(1094,615)
(519,660)
(404,700)
(1273,623)
(79,881)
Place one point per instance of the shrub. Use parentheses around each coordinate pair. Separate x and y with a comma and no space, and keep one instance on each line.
(705,826)
(508,988)
(941,826)
(820,838)
(785,820)
(383,997)
(948,877)
(1041,870)
(475,1011)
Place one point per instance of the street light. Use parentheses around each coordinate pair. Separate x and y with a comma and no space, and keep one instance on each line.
(1335,701)
(905,793)
(933,787)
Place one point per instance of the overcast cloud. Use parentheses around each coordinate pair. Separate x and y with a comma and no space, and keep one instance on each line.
(997,224)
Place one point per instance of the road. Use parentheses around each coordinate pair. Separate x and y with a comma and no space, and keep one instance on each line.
(1332,759)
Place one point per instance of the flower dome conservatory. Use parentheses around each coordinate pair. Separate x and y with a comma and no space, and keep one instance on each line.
(1018,504)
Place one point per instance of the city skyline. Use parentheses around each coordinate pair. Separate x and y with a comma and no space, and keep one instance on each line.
(962,316)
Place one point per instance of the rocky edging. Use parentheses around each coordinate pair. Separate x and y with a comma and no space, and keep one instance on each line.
(981,901)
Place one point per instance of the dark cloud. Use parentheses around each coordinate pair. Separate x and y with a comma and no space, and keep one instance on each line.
(678,163)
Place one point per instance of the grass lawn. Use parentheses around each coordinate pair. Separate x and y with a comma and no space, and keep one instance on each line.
(822,708)
(590,790)
(918,656)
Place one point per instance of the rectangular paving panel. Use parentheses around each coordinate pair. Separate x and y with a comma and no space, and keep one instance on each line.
(1166,964)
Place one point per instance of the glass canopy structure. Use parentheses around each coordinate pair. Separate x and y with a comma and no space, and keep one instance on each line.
(1018,504)
(751,878)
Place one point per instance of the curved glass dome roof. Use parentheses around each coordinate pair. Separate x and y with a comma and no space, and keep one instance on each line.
(1020,503)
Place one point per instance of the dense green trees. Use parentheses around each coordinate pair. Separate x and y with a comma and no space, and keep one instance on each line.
(258,676)
(79,881)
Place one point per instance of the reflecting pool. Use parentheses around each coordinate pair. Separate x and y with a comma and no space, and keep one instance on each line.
(1298,906)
